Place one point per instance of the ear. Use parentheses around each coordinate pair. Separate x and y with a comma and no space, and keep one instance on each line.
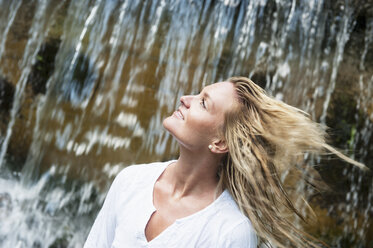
(219,146)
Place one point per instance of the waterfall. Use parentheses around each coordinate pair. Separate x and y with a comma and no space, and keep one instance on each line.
(85,85)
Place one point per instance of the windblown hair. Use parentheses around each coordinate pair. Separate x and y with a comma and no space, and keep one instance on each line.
(266,137)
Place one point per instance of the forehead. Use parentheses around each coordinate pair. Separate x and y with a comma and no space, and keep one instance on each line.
(222,95)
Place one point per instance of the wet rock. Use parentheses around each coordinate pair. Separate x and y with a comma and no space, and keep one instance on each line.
(43,66)
(6,95)
(74,85)
(61,242)
(337,209)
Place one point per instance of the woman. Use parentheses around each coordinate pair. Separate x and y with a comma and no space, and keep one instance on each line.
(234,142)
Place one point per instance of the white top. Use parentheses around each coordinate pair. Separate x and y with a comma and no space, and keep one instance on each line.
(129,205)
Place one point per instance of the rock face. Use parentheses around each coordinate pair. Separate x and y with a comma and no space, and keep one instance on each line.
(6,97)
(43,67)
(350,188)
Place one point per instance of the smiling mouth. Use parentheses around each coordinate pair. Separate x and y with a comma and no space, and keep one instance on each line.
(179,114)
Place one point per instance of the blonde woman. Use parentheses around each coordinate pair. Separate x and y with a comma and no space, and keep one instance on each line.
(224,190)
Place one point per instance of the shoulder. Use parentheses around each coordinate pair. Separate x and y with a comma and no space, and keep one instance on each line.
(238,230)
(132,172)
(134,176)
(228,209)
(241,234)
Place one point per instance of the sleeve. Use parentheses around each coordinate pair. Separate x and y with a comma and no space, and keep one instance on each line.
(241,235)
(103,229)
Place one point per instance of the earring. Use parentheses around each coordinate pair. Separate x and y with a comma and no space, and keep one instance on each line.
(210,147)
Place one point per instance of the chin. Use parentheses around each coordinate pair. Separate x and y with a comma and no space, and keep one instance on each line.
(167,124)
(172,127)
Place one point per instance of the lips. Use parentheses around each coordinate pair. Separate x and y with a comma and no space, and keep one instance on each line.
(179,114)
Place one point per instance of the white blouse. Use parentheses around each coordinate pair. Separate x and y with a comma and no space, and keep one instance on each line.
(129,205)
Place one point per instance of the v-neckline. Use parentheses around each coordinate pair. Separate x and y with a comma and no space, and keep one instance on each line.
(179,220)
(153,209)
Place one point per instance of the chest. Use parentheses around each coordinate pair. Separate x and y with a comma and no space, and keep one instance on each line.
(142,225)
(145,219)
(166,212)
(158,222)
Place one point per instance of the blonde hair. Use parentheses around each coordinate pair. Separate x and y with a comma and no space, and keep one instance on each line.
(266,137)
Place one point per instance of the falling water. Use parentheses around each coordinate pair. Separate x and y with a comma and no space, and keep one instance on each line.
(85,85)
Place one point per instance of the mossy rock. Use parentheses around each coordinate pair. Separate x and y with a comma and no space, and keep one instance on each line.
(6,96)
(43,66)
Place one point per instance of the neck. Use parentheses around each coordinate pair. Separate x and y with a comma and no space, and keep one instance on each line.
(194,173)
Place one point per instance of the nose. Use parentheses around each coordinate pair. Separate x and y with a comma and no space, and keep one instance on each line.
(186,100)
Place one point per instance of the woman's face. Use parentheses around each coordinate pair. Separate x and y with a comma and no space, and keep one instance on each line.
(196,123)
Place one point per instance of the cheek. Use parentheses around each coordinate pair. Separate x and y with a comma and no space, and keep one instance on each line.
(203,127)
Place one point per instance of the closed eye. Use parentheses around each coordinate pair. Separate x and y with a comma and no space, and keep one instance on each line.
(203,103)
